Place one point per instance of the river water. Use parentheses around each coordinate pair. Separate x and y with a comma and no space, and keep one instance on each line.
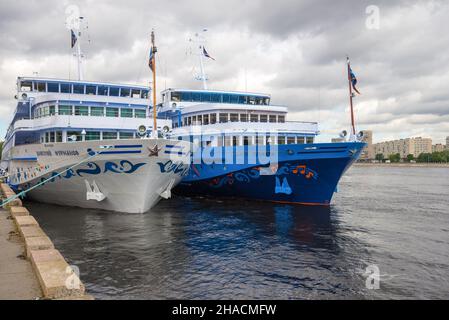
(391,220)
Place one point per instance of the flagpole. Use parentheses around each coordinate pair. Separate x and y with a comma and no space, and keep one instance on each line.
(350,97)
(154,86)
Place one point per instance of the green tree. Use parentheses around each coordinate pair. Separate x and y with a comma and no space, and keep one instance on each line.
(410,157)
(394,157)
(380,157)
(1,148)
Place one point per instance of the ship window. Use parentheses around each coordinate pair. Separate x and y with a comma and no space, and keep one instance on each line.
(243,100)
(234,117)
(58,136)
(281,139)
(52,110)
(114,91)
(281,119)
(223,117)
(47,137)
(126,135)
(246,141)
(205,97)
(140,113)
(52,136)
(78,88)
(176,96)
(92,135)
(186,96)
(226,98)
(189,121)
(40,86)
(290,140)
(205,119)
(300,140)
(251,100)
(97,111)
(263,118)
(73,136)
(65,88)
(81,110)
(266,101)
(196,96)
(243,117)
(53,87)
(234,98)
(235,140)
(309,140)
(215,97)
(111,112)
(65,110)
(26,86)
(144,94)
(194,120)
(254,118)
(103,91)
(213,118)
(124,92)
(227,141)
(135,93)
(260,139)
(109,135)
(126,113)
(272,118)
(91,90)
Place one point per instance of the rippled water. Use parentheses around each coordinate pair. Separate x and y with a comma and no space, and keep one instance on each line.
(395,218)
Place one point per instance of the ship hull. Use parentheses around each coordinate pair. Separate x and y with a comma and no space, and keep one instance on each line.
(130,174)
(302,174)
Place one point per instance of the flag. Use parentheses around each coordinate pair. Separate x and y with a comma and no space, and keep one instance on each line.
(74,38)
(207,54)
(353,80)
(151,57)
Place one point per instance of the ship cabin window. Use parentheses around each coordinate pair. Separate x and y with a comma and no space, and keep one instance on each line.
(243,117)
(126,112)
(260,139)
(125,92)
(81,110)
(227,141)
(40,86)
(65,88)
(176,96)
(206,119)
(309,139)
(301,140)
(103,91)
(254,118)
(235,141)
(140,113)
(291,140)
(144,94)
(73,136)
(272,118)
(114,91)
(281,119)
(126,135)
(223,117)
(90,89)
(26,86)
(52,87)
(78,88)
(52,110)
(58,136)
(281,139)
(65,110)
(246,140)
(263,118)
(92,135)
(213,118)
(109,135)
(217,97)
(189,121)
(135,93)
(234,117)
(111,112)
(97,111)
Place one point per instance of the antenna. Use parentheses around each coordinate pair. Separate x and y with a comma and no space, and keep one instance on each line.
(199,41)
(79,53)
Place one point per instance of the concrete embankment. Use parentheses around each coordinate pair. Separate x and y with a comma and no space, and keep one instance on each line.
(30,266)
(403,165)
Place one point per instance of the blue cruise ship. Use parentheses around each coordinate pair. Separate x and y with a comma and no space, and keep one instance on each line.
(247,148)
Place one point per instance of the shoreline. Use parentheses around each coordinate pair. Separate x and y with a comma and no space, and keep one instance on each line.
(403,164)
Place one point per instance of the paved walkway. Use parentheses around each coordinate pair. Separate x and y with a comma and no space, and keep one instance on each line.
(17,279)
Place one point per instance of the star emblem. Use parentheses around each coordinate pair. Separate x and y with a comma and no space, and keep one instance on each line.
(154,151)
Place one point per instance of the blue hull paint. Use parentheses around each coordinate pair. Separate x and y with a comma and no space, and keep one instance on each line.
(304,174)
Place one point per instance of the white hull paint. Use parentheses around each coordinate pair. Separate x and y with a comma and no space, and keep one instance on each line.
(131,180)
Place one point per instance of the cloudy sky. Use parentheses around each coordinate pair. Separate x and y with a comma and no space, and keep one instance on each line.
(295,50)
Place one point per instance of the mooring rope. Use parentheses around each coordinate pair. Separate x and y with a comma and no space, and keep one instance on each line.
(22,193)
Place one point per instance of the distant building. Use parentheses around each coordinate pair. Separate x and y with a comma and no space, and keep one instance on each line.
(447,142)
(438,147)
(404,147)
(368,151)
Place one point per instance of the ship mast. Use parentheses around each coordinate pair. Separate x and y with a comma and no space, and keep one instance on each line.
(351,95)
(79,53)
(153,68)
(199,42)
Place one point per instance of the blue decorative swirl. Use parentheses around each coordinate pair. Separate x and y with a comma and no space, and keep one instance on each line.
(95,169)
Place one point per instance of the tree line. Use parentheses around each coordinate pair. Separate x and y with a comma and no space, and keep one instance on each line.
(437,156)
